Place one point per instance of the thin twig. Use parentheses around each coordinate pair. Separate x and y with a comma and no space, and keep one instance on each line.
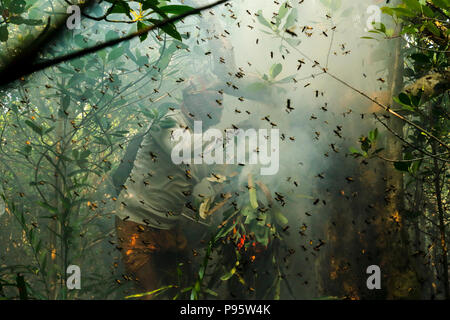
(406,142)
(388,109)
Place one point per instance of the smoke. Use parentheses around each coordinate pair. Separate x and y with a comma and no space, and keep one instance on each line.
(268,78)
(327,117)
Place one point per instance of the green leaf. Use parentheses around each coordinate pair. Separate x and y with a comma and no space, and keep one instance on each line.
(404,98)
(399,12)
(414,5)
(170,29)
(21,285)
(27,149)
(150,4)
(420,58)
(120,6)
(433,29)
(370,38)
(110,35)
(443,4)
(401,166)
(33,126)
(228,275)
(115,53)
(30,22)
(141,26)
(210,292)
(284,9)
(291,19)
(65,102)
(85,154)
(275,70)
(263,20)
(373,135)
(3,33)
(280,218)
(176,9)
(45,205)
(167,123)
(17,6)
(159,290)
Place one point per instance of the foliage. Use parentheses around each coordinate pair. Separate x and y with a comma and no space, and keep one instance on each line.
(423,27)
(64,132)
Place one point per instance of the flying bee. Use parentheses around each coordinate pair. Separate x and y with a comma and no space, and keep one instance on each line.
(337,133)
(216,176)
(289,108)
(292,33)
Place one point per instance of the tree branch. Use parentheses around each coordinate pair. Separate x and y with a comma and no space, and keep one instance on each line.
(24,67)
